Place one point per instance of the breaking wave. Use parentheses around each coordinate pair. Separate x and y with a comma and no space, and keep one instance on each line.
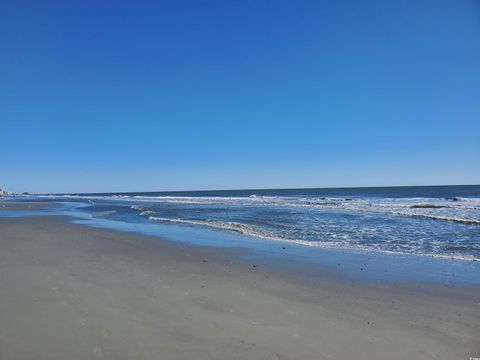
(255,231)
(457,209)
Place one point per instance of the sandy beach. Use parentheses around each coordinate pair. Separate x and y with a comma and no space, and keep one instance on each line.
(73,292)
(240,180)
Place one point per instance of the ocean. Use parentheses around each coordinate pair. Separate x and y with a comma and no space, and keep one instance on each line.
(434,221)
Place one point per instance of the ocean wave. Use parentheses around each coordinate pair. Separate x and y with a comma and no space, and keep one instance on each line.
(251,230)
(461,210)
(461,248)
(435,209)
(225,225)
(244,229)
(445,218)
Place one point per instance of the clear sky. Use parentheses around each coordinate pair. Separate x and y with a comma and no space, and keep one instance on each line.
(172,95)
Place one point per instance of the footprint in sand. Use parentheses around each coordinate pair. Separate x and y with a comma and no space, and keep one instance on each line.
(98,352)
(279,356)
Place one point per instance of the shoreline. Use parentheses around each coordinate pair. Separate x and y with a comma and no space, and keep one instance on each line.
(112,294)
(355,264)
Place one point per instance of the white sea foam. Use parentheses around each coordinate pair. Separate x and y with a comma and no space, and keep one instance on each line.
(103,213)
(245,229)
(230,225)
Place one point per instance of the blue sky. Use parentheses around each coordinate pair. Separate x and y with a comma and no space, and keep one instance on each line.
(172,95)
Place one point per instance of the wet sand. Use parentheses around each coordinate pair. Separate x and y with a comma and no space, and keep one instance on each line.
(73,292)
(9,205)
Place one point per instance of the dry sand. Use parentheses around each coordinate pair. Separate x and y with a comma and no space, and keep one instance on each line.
(70,292)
